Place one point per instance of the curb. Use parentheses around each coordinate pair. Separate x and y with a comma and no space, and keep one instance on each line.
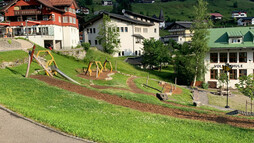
(43,126)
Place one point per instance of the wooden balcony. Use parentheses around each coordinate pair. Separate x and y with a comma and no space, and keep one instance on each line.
(27,12)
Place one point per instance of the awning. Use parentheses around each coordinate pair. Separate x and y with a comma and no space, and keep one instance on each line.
(138,36)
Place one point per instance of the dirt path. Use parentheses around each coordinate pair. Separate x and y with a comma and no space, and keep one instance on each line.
(102,76)
(134,88)
(144,107)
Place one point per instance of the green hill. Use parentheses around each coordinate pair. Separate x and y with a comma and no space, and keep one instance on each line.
(183,9)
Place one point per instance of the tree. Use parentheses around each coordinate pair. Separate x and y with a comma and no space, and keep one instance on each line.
(223,79)
(155,53)
(183,61)
(246,86)
(88,2)
(108,35)
(200,39)
(235,5)
(120,5)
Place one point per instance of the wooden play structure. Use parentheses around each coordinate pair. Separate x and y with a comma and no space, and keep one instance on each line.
(99,67)
(48,63)
(105,65)
(49,66)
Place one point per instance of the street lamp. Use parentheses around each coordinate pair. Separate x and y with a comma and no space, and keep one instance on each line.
(227,68)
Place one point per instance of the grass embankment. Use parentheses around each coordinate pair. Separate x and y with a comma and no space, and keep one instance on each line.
(98,120)
(10,56)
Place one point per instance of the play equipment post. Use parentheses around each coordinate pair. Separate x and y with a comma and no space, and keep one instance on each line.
(29,61)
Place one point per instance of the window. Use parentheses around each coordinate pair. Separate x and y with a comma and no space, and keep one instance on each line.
(136,52)
(88,31)
(121,29)
(223,57)
(117,29)
(139,52)
(119,53)
(243,57)
(222,72)
(138,40)
(234,40)
(45,17)
(94,30)
(95,42)
(126,29)
(242,72)
(122,53)
(233,74)
(65,19)
(233,57)
(59,19)
(213,57)
(137,29)
(53,17)
(74,20)
(213,74)
(155,30)
(91,30)
(89,42)
(70,18)
(145,30)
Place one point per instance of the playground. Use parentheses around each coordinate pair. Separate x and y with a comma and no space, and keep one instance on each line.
(82,101)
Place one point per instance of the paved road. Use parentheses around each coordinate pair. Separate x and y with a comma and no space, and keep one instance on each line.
(17,130)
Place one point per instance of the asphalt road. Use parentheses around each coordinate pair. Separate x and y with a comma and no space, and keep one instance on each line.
(17,130)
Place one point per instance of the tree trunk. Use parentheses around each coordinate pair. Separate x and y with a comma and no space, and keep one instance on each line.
(195,76)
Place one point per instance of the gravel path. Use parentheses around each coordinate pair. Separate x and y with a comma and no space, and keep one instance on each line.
(14,129)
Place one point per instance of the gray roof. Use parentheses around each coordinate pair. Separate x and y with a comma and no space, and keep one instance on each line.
(184,24)
(120,17)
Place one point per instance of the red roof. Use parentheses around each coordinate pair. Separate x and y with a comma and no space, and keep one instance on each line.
(216,14)
(48,3)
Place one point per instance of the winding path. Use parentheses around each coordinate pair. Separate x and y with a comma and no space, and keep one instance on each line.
(146,107)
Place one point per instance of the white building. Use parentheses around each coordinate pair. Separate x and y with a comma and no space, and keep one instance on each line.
(133,29)
(245,21)
(230,45)
(239,14)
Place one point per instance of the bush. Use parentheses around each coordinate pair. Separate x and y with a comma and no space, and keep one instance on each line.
(205,85)
(9,41)
(86,46)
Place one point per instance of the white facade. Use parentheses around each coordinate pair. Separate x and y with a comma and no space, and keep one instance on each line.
(60,37)
(239,14)
(242,22)
(130,36)
(241,65)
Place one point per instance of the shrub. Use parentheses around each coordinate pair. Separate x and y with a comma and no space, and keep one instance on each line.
(86,46)
(9,41)
(205,85)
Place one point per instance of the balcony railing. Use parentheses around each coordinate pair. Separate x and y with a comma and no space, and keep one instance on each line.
(27,12)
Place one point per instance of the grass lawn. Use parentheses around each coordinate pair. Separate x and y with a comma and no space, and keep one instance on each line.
(99,121)
(235,102)
(10,56)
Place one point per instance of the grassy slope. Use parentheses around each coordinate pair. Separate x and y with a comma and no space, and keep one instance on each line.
(177,10)
(100,121)
(15,55)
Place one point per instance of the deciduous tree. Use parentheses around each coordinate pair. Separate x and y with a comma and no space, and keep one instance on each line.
(246,86)
(199,42)
(108,35)
(155,53)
